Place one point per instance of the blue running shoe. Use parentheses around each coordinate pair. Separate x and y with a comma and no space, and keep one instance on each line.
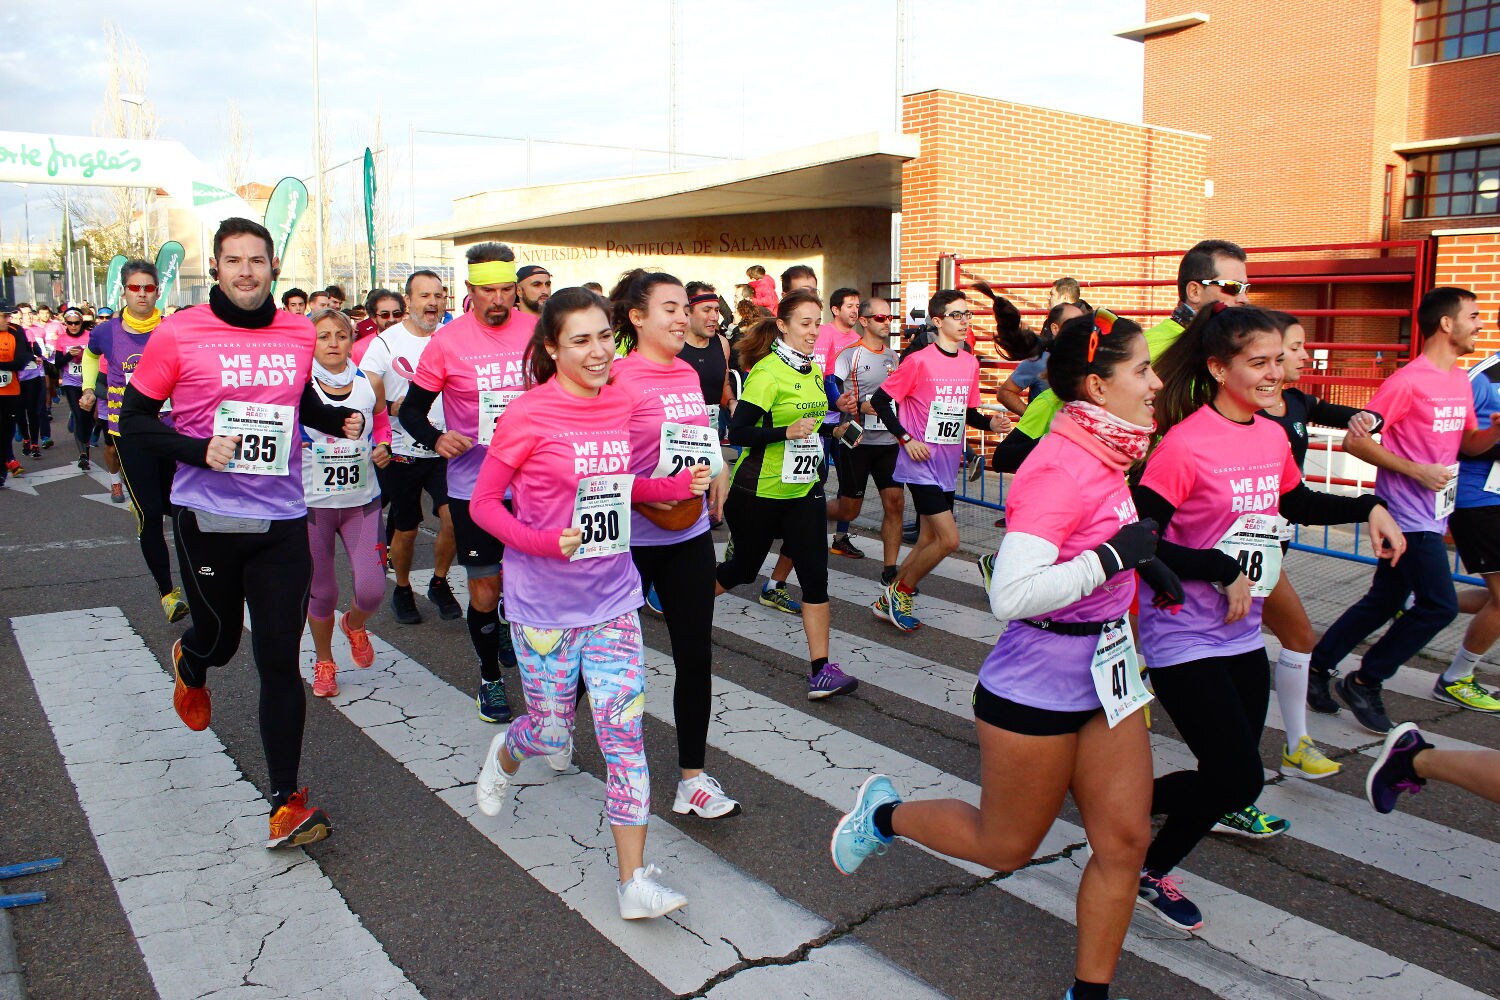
(1160,895)
(653,602)
(781,599)
(855,837)
(492,703)
(900,608)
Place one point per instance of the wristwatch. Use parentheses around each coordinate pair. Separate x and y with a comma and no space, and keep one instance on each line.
(906,439)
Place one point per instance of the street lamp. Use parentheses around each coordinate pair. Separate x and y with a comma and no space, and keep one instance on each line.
(30,279)
(138,101)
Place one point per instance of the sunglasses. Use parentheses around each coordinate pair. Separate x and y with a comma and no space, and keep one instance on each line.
(73,322)
(880,317)
(1229,285)
(390,315)
(148,289)
(959,315)
(1104,325)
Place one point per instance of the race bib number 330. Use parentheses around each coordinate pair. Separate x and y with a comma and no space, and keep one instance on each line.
(265,433)
(601,511)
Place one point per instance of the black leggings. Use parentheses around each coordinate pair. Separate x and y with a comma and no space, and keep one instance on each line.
(10,418)
(1219,706)
(33,395)
(683,574)
(801,524)
(148,478)
(83,420)
(271,572)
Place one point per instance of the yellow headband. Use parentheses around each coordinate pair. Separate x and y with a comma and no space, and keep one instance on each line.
(492,272)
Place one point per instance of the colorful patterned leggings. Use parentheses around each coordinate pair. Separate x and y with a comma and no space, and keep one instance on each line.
(608,656)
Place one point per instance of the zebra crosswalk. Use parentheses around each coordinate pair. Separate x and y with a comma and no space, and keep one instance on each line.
(225,917)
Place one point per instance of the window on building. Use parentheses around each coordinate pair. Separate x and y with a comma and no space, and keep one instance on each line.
(1461,182)
(1455,29)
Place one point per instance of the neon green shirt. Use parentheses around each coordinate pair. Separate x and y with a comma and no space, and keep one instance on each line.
(786,395)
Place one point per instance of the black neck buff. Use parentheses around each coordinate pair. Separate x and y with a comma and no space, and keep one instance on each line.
(249,319)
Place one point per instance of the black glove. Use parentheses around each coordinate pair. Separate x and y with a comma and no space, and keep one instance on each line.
(1164,582)
(1131,546)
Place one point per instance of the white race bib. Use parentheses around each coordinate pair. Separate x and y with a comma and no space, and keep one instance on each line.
(339,467)
(1254,541)
(713,419)
(945,422)
(1491,482)
(601,510)
(799,461)
(1117,674)
(686,445)
(75,369)
(5,378)
(1447,497)
(492,403)
(265,432)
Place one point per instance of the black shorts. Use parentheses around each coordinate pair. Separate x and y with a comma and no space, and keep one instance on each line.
(859,464)
(476,547)
(1002,713)
(928,500)
(1476,535)
(404,483)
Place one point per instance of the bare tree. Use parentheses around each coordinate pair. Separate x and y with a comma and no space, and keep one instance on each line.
(235,161)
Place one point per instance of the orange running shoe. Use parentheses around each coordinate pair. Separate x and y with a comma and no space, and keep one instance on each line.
(325,683)
(193,704)
(359,643)
(298,823)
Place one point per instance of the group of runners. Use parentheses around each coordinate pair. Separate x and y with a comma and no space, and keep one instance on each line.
(571,446)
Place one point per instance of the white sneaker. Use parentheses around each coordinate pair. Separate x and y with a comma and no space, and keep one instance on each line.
(563,759)
(493,786)
(705,796)
(643,897)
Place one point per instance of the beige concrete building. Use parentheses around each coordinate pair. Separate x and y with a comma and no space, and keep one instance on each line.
(829,206)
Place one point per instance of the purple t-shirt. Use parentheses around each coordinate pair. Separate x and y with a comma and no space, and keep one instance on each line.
(1426,412)
(204,365)
(122,349)
(1067,494)
(659,394)
(1212,470)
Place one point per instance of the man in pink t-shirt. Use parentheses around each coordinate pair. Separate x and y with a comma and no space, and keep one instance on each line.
(475,364)
(1429,419)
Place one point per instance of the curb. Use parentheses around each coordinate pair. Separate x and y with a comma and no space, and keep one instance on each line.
(12,984)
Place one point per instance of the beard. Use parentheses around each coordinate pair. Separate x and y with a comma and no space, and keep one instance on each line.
(496,315)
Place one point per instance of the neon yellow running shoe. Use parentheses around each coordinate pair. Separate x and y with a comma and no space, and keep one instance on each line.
(175,607)
(1307,762)
(1466,693)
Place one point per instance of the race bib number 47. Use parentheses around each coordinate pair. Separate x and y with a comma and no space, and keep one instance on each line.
(265,433)
(601,511)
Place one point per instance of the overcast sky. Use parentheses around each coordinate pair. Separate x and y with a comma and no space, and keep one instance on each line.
(752,78)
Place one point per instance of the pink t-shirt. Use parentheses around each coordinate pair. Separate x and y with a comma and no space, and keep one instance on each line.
(658,394)
(1426,412)
(462,360)
(201,362)
(927,376)
(553,439)
(764,289)
(1212,470)
(1066,493)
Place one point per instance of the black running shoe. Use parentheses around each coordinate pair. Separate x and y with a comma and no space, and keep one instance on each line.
(441,594)
(1366,704)
(1318,697)
(404,606)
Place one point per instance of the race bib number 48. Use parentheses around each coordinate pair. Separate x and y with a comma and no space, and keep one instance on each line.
(945,422)
(601,511)
(265,433)
(1254,541)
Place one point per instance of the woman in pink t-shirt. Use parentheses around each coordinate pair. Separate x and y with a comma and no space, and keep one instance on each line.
(1063,580)
(572,592)
(1218,484)
(670,544)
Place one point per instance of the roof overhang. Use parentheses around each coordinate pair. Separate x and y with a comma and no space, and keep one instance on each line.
(1161,26)
(862,171)
(1440,145)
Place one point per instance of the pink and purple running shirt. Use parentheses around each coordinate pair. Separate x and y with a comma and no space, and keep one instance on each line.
(1426,412)
(927,377)
(200,362)
(1066,493)
(462,360)
(1212,470)
(658,394)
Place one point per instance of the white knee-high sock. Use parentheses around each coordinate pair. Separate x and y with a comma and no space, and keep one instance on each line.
(1291,694)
